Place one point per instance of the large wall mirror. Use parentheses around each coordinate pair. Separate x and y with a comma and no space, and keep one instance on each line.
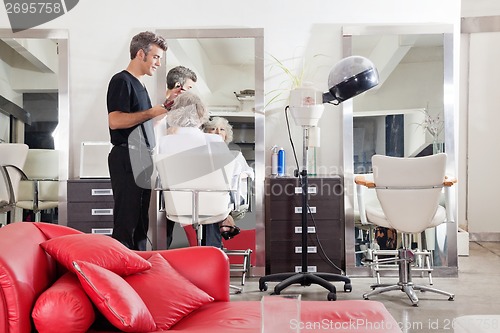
(408,114)
(229,64)
(34,80)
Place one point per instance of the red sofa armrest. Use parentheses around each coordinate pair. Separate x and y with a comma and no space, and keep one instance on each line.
(205,266)
(25,272)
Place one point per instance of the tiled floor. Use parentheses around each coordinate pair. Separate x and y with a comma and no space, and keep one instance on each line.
(476,289)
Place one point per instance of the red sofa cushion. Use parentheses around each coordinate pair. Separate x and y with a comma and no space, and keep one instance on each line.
(98,249)
(64,305)
(114,298)
(167,294)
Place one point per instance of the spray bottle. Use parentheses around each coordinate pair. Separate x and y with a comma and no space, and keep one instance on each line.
(274,161)
(281,162)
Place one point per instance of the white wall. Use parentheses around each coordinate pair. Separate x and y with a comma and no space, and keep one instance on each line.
(5,84)
(399,91)
(478,112)
(471,8)
(100,32)
(484,116)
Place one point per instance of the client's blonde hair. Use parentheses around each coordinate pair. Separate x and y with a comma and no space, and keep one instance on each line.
(222,123)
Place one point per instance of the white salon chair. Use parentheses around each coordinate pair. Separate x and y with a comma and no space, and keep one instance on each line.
(196,182)
(409,192)
(41,190)
(12,159)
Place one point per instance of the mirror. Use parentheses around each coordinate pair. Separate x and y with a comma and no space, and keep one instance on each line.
(36,66)
(405,115)
(409,123)
(228,64)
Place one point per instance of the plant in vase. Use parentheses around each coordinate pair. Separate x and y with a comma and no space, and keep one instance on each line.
(296,72)
(434,125)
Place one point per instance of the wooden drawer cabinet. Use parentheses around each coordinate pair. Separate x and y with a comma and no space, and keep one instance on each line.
(90,205)
(284,225)
(320,209)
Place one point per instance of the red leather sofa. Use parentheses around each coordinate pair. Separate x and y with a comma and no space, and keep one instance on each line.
(28,272)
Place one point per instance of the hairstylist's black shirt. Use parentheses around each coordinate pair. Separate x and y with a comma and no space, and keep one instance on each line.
(127,94)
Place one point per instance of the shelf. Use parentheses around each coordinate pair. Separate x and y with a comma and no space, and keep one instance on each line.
(245,95)
(232,113)
(223,108)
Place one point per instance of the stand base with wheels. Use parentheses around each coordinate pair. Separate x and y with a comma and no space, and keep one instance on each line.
(306,279)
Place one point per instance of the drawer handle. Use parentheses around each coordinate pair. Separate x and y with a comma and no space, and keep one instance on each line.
(102,231)
(310,190)
(310,249)
(310,269)
(310,230)
(298,210)
(102,211)
(102,191)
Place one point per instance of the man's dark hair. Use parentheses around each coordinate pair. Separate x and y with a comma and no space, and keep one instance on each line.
(144,41)
(179,74)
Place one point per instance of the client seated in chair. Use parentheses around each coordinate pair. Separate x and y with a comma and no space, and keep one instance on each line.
(185,136)
(221,126)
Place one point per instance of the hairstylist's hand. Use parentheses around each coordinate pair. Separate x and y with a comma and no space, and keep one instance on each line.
(168,104)
(158,110)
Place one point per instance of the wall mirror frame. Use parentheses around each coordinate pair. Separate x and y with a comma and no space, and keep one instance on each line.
(446,250)
(61,142)
(231,45)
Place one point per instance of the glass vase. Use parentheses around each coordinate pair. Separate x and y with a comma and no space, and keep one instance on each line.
(437,147)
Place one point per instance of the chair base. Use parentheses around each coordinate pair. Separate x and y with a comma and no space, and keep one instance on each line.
(244,268)
(422,262)
(306,279)
(405,259)
(237,290)
(408,288)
